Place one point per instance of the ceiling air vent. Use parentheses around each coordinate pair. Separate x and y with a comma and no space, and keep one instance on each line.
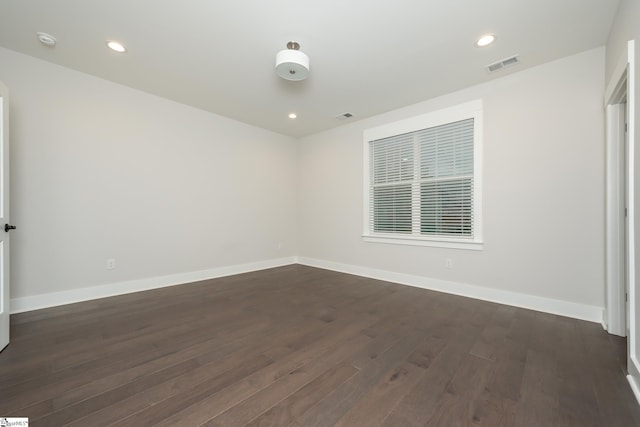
(344,116)
(507,62)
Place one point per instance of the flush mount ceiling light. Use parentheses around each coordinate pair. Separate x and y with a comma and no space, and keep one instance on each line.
(293,115)
(116,46)
(46,39)
(486,40)
(291,63)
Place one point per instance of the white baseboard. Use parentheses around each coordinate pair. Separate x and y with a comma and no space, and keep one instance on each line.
(532,302)
(547,305)
(603,321)
(634,382)
(634,368)
(19,305)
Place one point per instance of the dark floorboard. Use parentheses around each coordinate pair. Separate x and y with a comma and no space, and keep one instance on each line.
(299,346)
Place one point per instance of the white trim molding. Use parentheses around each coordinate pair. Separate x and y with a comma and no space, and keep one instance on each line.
(446,116)
(635,386)
(620,207)
(437,243)
(532,302)
(632,241)
(35,302)
(547,305)
(616,253)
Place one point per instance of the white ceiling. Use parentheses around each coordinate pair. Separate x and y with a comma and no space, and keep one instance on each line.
(367,57)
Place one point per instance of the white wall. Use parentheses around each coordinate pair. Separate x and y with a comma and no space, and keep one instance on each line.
(103,171)
(543,189)
(624,29)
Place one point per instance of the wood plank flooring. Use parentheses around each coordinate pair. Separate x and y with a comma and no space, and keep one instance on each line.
(299,346)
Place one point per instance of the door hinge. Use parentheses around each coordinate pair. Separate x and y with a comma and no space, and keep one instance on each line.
(625,212)
(626,297)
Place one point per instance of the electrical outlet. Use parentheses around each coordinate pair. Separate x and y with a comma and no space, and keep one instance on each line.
(111,263)
(448,263)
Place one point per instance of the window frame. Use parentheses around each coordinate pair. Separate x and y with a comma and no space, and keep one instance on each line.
(468,110)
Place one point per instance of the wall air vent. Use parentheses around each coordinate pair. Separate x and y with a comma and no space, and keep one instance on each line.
(344,116)
(507,62)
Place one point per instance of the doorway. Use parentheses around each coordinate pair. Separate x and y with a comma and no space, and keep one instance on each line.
(4,216)
(617,211)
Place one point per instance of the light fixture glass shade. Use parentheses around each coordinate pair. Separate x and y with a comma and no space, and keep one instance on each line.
(292,65)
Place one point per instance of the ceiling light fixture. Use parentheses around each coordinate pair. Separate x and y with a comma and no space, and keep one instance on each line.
(293,115)
(46,39)
(486,40)
(292,63)
(116,46)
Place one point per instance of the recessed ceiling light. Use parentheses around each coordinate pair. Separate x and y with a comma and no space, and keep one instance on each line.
(116,46)
(292,115)
(46,39)
(486,40)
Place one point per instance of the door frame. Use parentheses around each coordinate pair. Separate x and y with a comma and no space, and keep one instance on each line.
(4,217)
(624,73)
(617,200)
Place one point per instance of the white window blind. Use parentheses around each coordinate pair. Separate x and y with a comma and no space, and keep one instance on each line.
(422,182)
(393,173)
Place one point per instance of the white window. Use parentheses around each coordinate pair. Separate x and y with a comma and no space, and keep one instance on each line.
(423,179)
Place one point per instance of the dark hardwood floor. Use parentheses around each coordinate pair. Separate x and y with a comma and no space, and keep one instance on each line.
(298,346)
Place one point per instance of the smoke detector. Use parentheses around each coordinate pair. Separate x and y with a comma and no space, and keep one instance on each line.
(46,39)
(292,63)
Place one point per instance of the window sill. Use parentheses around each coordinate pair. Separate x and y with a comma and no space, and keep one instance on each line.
(472,245)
